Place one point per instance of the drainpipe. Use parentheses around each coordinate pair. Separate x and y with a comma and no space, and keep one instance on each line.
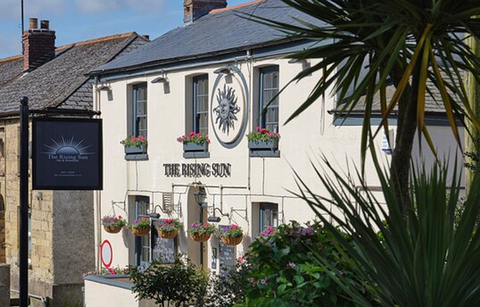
(97,198)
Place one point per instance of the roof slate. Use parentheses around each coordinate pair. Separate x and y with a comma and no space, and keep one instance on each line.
(10,69)
(220,31)
(57,81)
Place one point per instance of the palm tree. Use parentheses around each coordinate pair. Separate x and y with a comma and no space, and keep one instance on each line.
(411,43)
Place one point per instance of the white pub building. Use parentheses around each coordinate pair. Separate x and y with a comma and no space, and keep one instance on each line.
(214,75)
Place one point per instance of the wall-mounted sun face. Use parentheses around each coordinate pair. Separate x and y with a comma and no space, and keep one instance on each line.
(67,147)
(226,110)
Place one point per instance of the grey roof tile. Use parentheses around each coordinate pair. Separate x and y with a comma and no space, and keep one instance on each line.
(218,32)
(56,82)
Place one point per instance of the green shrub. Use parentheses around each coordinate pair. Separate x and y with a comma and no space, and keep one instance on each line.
(169,285)
(281,269)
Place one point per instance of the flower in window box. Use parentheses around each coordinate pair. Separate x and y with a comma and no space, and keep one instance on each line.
(263,139)
(194,142)
(201,232)
(168,229)
(135,144)
(113,224)
(231,235)
(140,227)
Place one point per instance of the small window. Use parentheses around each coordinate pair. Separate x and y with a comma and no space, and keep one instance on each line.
(139,110)
(200,104)
(269,87)
(268,215)
(142,244)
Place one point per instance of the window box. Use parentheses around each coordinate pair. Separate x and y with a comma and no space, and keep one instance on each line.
(195,147)
(135,150)
(263,145)
(264,148)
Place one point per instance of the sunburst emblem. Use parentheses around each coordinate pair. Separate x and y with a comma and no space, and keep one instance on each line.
(226,109)
(67,147)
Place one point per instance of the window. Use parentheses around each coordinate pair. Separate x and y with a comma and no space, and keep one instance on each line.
(139,110)
(268,89)
(142,244)
(268,215)
(200,104)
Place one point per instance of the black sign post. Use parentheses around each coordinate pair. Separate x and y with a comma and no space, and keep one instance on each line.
(23,284)
(67,155)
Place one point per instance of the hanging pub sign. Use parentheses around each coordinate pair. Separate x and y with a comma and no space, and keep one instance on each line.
(67,154)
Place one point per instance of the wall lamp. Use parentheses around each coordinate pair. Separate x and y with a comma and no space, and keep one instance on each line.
(160,80)
(223,71)
(216,219)
(103,88)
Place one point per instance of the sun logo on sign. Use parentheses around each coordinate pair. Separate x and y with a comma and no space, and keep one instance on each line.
(67,147)
(227,109)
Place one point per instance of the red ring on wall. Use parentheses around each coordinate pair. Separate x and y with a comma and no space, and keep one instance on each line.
(106,242)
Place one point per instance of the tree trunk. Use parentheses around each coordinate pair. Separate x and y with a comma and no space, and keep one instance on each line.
(406,128)
(471,141)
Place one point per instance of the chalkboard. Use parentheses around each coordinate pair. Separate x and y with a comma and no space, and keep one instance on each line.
(226,256)
(163,250)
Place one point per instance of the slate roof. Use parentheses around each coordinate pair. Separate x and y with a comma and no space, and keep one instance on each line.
(433,101)
(219,32)
(10,69)
(63,80)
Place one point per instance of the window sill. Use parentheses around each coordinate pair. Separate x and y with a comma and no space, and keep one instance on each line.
(265,153)
(137,157)
(196,154)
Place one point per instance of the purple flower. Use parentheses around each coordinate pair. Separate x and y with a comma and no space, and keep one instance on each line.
(307,231)
(135,221)
(291,265)
(251,280)
(263,281)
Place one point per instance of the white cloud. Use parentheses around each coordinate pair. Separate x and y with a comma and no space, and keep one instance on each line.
(97,6)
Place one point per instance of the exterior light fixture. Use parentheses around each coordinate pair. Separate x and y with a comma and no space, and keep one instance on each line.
(160,80)
(223,71)
(214,218)
(154,215)
(103,88)
(200,196)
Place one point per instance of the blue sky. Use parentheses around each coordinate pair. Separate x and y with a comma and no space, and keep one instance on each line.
(77,20)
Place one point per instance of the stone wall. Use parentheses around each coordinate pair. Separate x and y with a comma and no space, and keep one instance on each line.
(40,203)
(4,285)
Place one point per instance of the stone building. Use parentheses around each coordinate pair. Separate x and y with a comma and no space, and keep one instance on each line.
(215,75)
(61,230)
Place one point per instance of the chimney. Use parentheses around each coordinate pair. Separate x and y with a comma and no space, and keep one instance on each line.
(194,9)
(38,44)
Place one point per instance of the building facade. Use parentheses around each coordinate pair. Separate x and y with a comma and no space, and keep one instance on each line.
(61,228)
(216,75)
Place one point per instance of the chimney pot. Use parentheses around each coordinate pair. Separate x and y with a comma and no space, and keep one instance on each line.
(33,23)
(45,24)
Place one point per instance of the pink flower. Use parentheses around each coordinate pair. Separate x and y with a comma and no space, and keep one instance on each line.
(191,134)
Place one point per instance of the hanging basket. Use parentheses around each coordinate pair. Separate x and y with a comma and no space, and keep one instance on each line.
(232,241)
(112,230)
(140,231)
(168,235)
(201,237)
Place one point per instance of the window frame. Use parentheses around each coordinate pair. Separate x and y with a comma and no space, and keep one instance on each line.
(262,120)
(136,117)
(263,208)
(141,249)
(195,102)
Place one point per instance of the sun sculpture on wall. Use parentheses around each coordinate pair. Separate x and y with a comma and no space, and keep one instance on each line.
(226,110)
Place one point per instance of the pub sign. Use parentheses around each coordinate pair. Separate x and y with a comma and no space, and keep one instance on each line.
(67,154)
